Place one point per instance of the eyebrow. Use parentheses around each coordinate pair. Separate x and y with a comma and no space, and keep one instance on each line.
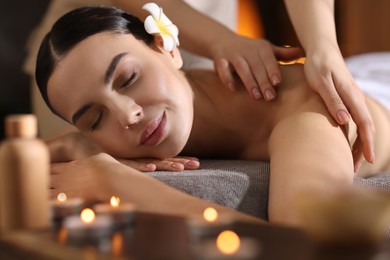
(107,78)
(111,69)
(80,112)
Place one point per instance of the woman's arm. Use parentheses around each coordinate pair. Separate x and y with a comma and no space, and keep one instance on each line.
(99,177)
(327,73)
(74,146)
(254,60)
(309,152)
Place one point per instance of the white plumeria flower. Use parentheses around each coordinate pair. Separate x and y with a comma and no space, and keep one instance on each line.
(159,23)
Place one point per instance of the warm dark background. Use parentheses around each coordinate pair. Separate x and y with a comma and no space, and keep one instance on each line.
(17,18)
(363,26)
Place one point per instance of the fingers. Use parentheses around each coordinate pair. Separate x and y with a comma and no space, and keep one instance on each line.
(333,102)
(224,72)
(143,166)
(341,97)
(355,101)
(189,163)
(244,71)
(357,155)
(171,164)
(257,67)
(366,132)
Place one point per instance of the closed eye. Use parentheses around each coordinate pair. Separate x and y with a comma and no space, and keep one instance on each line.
(96,124)
(128,82)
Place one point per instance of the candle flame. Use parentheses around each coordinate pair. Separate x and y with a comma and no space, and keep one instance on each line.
(114,201)
(87,215)
(210,214)
(228,242)
(61,197)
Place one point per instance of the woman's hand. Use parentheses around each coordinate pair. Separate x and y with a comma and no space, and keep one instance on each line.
(71,146)
(169,164)
(328,75)
(255,61)
(84,178)
(74,146)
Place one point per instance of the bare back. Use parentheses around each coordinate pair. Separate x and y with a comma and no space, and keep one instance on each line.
(233,125)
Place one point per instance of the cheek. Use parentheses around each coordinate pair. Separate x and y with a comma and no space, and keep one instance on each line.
(111,141)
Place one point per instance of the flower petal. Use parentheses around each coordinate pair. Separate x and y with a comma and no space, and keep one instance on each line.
(151,26)
(169,42)
(164,19)
(153,9)
(174,32)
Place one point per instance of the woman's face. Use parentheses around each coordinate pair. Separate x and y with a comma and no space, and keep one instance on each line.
(131,99)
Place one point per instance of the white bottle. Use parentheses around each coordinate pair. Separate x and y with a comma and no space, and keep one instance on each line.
(24,176)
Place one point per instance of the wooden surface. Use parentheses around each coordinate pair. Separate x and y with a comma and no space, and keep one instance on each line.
(363,26)
(168,237)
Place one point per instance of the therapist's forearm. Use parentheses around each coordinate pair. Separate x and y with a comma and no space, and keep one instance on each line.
(197,32)
(313,21)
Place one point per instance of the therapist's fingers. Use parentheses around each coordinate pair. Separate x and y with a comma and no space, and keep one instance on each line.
(354,100)
(365,127)
(357,154)
(268,74)
(344,99)
(225,73)
(266,71)
(256,66)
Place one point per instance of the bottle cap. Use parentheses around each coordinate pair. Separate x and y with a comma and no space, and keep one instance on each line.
(21,125)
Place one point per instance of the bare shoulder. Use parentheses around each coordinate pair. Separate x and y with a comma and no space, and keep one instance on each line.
(294,94)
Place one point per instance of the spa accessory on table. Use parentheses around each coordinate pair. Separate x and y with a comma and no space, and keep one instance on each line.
(121,212)
(63,207)
(210,223)
(24,176)
(88,227)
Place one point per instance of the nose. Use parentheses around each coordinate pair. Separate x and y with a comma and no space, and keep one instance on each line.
(128,113)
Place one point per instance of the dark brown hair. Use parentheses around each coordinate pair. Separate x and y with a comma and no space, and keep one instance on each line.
(74,27)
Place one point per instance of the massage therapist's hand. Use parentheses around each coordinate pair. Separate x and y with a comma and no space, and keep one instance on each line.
(328,75)
(255,61)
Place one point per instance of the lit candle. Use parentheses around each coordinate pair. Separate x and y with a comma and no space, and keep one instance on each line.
(228,245)
(117,245)
(63,207)
(122,212)
(210,223)
(88,226)
(228,242)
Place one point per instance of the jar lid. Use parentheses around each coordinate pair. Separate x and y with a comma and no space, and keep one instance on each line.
(21,125)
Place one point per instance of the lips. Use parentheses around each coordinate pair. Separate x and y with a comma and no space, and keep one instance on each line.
(154,131)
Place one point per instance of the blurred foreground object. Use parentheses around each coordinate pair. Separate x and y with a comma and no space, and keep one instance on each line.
(346,216)
(24,176)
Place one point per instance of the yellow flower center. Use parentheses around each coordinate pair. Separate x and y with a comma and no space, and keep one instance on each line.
(163,28)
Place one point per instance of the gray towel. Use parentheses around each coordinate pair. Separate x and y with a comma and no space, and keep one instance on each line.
(242,185)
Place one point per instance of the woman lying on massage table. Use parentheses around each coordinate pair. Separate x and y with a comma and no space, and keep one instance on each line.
(123,89)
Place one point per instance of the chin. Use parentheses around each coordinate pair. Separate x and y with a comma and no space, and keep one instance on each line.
(170,149)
